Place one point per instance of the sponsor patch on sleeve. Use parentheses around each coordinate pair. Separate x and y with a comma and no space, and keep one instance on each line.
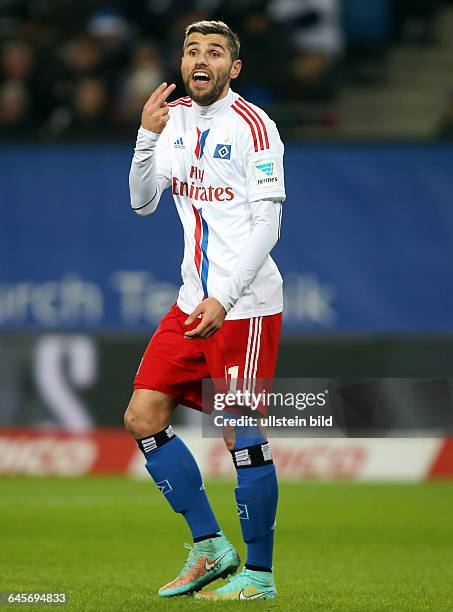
(266,174)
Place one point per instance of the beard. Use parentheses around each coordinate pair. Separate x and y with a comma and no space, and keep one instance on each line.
(210,96)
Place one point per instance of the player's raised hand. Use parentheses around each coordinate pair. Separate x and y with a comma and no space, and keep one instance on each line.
(212,316)
(156,112)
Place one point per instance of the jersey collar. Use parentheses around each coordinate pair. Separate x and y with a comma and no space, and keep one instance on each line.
(215,109)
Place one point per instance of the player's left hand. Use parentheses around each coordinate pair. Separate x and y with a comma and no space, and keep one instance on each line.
(212,316)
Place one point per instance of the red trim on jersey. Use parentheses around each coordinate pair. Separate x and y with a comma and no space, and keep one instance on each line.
(197,257)
(185,101)
(173,104)
(250,124)
(261,128)
(263,125)
(246,110)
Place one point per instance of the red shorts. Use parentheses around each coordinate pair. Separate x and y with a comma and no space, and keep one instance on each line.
(245,349)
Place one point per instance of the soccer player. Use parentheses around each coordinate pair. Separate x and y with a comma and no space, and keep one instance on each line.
(222,157)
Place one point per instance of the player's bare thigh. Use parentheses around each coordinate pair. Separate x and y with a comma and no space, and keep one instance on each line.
(148,412)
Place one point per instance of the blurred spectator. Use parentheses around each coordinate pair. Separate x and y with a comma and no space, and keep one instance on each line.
(89,116)
(83,56)
(143,76)
(17,60)
(18,74)
(258,80)
(79,58)
(314,31)
(89,74)
(15,116)
(113,34)
(445,129)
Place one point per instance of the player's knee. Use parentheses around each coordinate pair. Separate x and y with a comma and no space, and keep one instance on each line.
(148,412)
(241,437)
(229,437)
(130,420)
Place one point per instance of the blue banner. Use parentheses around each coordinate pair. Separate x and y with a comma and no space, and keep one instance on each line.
(366,245)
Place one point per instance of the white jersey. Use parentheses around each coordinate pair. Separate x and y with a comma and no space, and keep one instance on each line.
(217,160)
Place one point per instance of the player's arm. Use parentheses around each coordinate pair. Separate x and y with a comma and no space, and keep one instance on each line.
(151,164)
(266,221)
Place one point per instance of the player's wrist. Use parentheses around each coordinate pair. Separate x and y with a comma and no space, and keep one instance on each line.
(225,300)
(148,134)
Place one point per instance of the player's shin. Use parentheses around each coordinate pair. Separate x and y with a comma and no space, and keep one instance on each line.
(256,497)
(175,471)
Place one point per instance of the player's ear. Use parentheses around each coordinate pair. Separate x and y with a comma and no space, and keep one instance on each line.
(235,69)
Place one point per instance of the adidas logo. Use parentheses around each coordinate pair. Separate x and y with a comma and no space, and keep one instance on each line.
(179,143)
(267,168)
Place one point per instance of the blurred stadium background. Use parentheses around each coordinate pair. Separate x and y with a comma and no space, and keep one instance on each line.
(362,92)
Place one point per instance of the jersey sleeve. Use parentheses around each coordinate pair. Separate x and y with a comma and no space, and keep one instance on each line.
(150,172)
(263,158)
(163,157)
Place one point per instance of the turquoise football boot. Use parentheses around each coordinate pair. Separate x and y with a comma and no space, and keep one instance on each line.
(246,586)
(207,561)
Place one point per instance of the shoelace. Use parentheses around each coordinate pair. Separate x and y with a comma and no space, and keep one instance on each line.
(189,559)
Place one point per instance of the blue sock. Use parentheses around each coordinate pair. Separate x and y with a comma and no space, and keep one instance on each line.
(174,470)
(256,496)
(250,435)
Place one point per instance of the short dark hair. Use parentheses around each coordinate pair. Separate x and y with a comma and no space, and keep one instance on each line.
(216,27)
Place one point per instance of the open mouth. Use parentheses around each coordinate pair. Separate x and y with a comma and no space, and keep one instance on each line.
(201,78)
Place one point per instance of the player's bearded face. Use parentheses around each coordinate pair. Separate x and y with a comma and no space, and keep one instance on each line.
(210,93)
(206,68)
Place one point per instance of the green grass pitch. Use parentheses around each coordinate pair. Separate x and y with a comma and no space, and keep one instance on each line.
(111,542)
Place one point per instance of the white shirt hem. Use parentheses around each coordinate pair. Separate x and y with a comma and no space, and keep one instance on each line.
(234,316)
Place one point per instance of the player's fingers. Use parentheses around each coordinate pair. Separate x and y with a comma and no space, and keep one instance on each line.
(209,331)
(199,330)
(163,95)
(154,98)
(195,333)
(163,110)
(192,335)
(193,315)
(157,92)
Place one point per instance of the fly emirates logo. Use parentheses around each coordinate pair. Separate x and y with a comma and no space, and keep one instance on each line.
(202,193)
